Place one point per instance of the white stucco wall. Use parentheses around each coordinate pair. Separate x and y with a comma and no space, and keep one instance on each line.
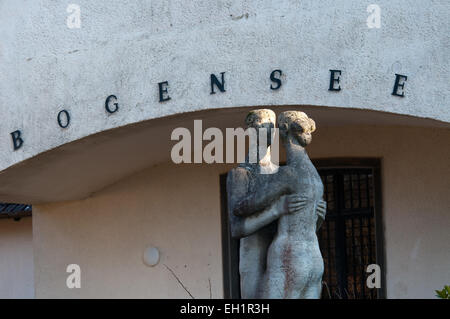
(415,200)
(126,47)
(174,209)
(177,208)
(16,259)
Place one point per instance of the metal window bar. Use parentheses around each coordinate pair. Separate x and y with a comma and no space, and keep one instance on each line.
(351,242)
(332,235)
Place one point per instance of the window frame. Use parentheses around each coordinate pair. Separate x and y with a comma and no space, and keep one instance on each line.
(230,251)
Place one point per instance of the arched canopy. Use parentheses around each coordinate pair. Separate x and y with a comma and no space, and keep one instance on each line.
(139,64)
(78,169)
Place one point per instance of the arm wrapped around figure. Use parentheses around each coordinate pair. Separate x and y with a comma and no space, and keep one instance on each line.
(269,189)
(244,226)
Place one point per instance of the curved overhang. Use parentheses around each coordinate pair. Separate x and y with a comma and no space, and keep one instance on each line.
(145,52)
(78,169)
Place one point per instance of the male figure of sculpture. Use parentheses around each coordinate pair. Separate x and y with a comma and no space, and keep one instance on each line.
(294,266)
(249,214)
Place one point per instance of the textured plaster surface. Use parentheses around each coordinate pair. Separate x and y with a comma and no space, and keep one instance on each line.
(16,263)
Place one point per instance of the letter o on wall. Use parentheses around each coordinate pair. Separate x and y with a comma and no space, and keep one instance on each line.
(61,121)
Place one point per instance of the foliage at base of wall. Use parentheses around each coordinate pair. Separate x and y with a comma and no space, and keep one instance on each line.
(444,293)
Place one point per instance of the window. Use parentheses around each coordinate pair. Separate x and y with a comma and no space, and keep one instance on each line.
(350,239)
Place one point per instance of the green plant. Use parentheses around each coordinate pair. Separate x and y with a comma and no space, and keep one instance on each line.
(444,293)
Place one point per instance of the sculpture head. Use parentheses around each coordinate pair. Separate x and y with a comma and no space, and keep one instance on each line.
(262,118)
(296,126)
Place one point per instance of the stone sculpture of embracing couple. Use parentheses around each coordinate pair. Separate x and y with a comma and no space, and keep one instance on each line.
(285,263)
